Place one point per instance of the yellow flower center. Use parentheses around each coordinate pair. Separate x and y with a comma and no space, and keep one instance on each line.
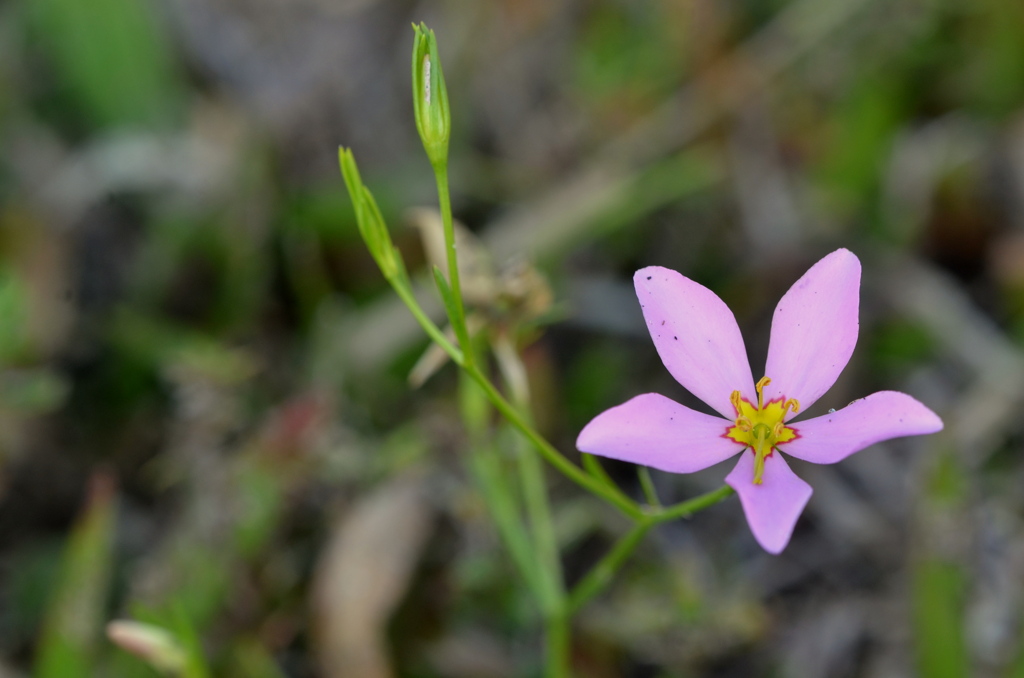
(761,427)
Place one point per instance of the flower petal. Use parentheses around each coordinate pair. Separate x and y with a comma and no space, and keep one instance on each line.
(772,508)
(655,431)
(696,336)
(881,416)
(814,330)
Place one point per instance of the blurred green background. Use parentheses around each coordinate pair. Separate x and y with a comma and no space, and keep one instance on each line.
(204,416)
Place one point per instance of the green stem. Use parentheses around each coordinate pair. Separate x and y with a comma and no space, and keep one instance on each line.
(647,484)
(557,644)
(404,292)
(688,508)
(459,321)
(601,574)
(547,450)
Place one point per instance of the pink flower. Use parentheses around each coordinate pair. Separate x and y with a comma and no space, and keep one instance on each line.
(814,330)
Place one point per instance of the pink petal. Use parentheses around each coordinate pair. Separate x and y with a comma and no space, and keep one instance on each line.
(881,416)
(654,431)
(772,508)
(814,330)
(696,336)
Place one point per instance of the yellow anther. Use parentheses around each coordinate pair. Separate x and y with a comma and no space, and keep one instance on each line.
(744,424)
(735,400)
(791,404)
(762,382)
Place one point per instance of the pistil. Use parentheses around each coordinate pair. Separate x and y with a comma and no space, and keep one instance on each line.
(762,435)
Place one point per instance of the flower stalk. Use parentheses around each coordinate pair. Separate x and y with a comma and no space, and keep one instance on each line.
(433,121)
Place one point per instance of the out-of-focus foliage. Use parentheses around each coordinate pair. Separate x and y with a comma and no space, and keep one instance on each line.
(112,62)
(71,631)
(188,315)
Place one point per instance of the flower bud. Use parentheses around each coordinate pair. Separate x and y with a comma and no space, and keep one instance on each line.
(372,227)
(430,96)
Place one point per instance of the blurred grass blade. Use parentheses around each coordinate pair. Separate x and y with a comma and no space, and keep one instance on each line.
(1017,669)
(939,580)
(112,57)
(501,502)
(195,657)
(71,630)
(15,343)
(32,391)
(446,294)
(485,464)
(938,620)
(253,660)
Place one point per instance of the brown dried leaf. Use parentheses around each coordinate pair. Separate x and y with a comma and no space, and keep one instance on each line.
(363,574)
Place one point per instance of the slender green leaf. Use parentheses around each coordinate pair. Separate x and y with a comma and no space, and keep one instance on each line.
(71,630)
(506,514)
(938,620)
(447,298)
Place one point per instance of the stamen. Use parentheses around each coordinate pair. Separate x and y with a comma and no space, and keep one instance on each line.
(744,424)
(735,400)
(764,381)
(791,404)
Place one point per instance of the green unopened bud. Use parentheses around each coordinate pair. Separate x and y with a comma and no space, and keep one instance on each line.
(150,643)
(372,227)
(381,249)
(430,96)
